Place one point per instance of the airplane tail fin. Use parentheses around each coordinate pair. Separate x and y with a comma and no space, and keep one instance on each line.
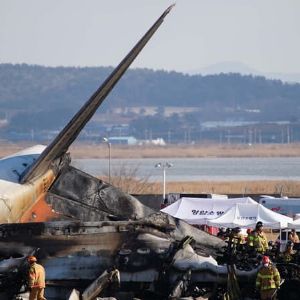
(64,139)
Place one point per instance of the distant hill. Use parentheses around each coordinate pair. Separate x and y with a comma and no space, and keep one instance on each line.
(243,69)
(43,97)
(226,67)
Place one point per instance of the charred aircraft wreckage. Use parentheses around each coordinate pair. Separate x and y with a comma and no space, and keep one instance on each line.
(80,227)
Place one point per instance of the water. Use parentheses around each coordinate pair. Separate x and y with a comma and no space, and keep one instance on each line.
(196,169)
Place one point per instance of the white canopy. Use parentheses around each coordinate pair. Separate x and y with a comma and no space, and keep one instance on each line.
(294,224)
(246,215)
(199,210)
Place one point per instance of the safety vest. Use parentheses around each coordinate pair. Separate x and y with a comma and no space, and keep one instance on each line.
(36,276)
(268,278)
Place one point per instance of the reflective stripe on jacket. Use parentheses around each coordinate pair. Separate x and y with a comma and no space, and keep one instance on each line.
(36,276)
(287,257)
(268,278)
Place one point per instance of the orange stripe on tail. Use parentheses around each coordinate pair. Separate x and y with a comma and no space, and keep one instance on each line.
(41,211)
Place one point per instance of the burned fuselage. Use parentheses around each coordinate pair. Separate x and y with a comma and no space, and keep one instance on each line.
(75,253)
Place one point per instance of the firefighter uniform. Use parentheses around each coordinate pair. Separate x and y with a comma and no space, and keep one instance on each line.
(293,236)
(260,242)
(250,238)
(36,280)
(240,239)
(267,281)
(288,254)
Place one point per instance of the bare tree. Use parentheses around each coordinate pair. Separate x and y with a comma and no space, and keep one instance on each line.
(127,179)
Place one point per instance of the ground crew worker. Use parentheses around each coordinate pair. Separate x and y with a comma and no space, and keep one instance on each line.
(260,242)
(293,236)
(267,280)
(36,279)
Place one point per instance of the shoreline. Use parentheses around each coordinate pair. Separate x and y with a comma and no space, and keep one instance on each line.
(288,188)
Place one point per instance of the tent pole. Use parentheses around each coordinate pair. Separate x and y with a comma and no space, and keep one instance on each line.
(280,239)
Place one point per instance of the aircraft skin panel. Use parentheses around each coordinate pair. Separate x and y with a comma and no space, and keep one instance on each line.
(36,149)
(41,211)
(13,166)
(16,199)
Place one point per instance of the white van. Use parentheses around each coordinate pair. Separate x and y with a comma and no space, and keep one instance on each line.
(285,206)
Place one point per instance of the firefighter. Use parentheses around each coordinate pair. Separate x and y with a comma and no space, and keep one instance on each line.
(293,236)
(238,239)
(260,242)
(36,279)
(248,237)
(288,254)
(222,233)
(267,280)
(238,236)
(250,242)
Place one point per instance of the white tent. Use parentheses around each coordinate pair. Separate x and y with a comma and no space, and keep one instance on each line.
(199,210)
(294,224)
(246,215)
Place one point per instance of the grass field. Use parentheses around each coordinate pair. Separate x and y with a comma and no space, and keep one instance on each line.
(264,187)
(286,188)
(181,151)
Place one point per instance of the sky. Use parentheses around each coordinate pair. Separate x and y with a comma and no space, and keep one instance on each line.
(262,34)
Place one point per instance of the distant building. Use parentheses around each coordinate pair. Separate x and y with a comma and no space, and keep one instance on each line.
(123,140)
(156,142)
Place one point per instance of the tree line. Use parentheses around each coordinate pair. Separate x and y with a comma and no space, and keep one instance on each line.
(44,97)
